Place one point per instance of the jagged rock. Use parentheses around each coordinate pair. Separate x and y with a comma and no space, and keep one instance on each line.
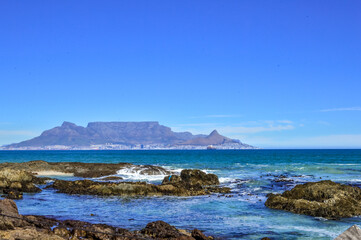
(194,177)
(198,235)
(163,230)
(353,233)
(63,232)
(320,199)
(18,180)
(12,217)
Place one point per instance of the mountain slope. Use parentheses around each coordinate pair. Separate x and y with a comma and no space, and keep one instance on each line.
(214,138)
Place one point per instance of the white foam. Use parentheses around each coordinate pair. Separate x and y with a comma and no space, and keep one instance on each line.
(133,173)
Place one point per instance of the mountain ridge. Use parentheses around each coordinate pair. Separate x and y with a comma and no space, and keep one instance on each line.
(122,133)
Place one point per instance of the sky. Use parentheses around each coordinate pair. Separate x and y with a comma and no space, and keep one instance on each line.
(274,74)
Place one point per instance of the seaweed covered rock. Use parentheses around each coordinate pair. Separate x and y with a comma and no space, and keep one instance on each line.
(18,181)
(195,183)
(320,199)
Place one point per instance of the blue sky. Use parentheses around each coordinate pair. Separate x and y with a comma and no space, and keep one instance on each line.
(275,74)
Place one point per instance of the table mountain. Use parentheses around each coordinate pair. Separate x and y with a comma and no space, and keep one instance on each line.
(126,133)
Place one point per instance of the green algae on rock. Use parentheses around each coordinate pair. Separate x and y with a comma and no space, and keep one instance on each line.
(325,199)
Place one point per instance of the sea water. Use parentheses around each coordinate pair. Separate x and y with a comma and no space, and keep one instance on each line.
(250,173)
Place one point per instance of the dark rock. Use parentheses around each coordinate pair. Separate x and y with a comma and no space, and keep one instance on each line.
(111,178)
(320,199)
(194,177)
(198,235)
(12,194)
(160,229)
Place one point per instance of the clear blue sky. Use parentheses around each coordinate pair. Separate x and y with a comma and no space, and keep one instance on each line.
(275,74)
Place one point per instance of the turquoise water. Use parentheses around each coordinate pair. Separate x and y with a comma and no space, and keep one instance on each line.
(250,174)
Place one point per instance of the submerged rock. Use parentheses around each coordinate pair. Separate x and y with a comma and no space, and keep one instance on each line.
(14,226)
(190,183)
(111,178)
(320,199)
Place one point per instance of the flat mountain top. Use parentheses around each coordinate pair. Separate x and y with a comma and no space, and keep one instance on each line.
(126,133)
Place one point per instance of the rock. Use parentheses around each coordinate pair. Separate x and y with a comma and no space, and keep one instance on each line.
(111,178)
(9,208)
(194,177)
(28,233)
(198,235)
(265,238)
(171,179)
(163,230)
(12,194)
(40,227)
(18,180)
(61,231)
(353,233)
(320,199)
(190,187)
(86,170)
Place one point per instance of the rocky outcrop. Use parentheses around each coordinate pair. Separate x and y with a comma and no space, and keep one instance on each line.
(14,182)
(189,183)
(320,199)
(352,233)
(15,226)
(86,170)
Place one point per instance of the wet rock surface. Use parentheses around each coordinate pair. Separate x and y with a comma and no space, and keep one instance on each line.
(15,226)
(190,183)
(86,170)
(325,199)
(14,182)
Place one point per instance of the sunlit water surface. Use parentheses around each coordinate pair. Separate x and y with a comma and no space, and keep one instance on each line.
(250,174)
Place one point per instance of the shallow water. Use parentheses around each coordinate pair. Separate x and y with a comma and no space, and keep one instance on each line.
(250,174)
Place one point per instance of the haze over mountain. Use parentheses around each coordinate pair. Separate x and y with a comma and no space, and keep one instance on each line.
(122,133)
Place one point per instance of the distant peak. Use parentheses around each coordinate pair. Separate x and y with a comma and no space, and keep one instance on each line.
(214,132)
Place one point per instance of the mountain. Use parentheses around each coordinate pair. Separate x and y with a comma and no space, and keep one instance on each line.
(212,139)
(121,133)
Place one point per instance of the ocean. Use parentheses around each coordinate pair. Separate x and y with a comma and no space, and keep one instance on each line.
(250,173)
